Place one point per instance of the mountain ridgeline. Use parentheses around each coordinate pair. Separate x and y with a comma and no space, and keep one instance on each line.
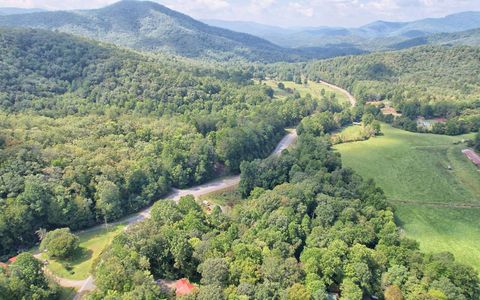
(149,26)
(457,29)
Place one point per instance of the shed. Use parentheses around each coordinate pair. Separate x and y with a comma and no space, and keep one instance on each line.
(184,287)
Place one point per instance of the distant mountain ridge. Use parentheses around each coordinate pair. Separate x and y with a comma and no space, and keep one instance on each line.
(4,11)
(150,26)
(379,35)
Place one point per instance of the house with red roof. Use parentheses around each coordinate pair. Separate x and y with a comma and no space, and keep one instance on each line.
(183,287)
(12,259)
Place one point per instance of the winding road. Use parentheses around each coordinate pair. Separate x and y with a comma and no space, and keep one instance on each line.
(350,97)
(88,284)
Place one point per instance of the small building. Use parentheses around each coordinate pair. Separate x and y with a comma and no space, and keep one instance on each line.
(181,287)
(184,287)
(12,259)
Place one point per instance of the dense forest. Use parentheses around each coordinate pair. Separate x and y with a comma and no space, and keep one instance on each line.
(424,81)
(311,228)
(91,133)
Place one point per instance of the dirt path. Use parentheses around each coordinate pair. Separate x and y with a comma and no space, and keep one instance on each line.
(350,97)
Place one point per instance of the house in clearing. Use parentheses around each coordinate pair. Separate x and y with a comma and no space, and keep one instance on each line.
(181,287)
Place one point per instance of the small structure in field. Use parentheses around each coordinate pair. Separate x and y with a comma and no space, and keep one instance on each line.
(472,156)
(12,259)
(428,123)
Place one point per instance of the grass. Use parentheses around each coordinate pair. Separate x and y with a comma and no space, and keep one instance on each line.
(435,205)
(91,243)
(349,134)
(312,88)
(226,198)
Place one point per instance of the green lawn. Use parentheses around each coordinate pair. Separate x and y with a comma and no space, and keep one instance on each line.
(349,134)
(437,206)
(91,243)
(312,88)
(226,198)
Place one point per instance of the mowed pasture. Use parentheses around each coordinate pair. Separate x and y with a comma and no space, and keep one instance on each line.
(433,186)
(312,88)
(92,243)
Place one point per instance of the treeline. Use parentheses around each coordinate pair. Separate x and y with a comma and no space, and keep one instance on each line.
(476,142)
(322,229)
(89,134)
(429,81)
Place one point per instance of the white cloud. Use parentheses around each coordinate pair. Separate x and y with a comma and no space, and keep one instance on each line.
(212,4)
(302,9)
(56,4)
(287,12)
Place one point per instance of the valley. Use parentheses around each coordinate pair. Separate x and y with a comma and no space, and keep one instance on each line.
(145,154)
(75,272)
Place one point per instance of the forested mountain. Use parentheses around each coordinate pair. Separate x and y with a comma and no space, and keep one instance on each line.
(90,133)
(380,35)
(467,38)
(153,27)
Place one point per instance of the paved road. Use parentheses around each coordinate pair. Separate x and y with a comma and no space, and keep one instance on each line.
(350,97)
(215,185)
(88,284)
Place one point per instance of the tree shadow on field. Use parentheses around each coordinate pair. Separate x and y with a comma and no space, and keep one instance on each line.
(397,220)
(80,256)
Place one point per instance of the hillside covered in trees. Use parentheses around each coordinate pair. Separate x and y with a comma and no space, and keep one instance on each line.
(90,133)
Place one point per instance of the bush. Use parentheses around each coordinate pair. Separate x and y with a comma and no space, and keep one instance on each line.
(60,243)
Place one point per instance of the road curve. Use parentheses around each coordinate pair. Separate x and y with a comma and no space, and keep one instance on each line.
(88,284)
(350,97)
(215,185)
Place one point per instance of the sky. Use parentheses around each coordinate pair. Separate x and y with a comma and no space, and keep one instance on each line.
(286,13)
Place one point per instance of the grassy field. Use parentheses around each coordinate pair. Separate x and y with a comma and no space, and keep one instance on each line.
(312,88)
(436,205)
(226,198)
(349,134)
(91,244)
